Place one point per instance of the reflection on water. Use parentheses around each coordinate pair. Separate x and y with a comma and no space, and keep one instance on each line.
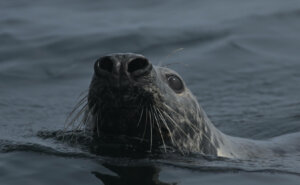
(131,175)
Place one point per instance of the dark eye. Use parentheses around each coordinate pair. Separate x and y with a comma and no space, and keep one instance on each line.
(175,83)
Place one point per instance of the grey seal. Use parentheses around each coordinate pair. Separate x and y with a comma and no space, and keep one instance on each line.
(129,96)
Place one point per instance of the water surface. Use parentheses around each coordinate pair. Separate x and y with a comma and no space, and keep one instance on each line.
(240,58)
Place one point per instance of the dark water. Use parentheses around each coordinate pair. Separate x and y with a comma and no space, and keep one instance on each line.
(240,58)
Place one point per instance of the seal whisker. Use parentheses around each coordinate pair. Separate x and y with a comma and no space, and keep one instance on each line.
(174,123)
(84,120)
(169,55)
(82,123)
(166,125)
(71,123)
(87,117)
(162,138)
(138,124)
(151,127)
(145,128)
(171,135)
(81,101)
(180,129)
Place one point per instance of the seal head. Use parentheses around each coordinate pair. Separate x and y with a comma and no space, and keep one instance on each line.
(129,96)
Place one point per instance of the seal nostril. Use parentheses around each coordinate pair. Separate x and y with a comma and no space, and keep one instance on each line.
(106,64)
(137,64)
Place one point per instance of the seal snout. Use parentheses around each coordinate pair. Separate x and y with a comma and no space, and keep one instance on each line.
(121,93)
(118,66)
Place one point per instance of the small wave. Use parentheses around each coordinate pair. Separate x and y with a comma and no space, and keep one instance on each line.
(223,165)
(284,14)
(12,146)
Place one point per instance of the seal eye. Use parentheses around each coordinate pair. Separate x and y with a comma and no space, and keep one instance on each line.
(175,83)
